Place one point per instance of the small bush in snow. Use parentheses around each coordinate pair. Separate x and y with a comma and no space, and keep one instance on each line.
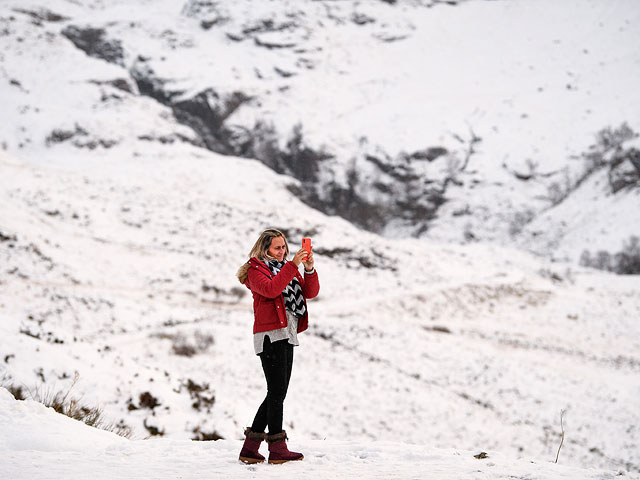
(625,262)
(559,190)
(17,391)
(186,348)
(152,429)
(520,220)
(63,403)
(148,401)
(206,436)
(621,162)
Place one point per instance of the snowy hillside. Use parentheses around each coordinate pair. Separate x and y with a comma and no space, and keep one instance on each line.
(129,197)
(122,272)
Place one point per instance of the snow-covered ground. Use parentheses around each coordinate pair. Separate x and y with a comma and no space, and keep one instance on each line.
(120,237)
(38,443)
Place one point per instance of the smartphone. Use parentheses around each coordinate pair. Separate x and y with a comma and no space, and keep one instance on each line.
(306,244)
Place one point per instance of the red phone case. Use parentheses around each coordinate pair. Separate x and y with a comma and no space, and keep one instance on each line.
(306,244)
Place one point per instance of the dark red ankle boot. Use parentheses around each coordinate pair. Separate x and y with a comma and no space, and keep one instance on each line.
(252,440)
(278,451)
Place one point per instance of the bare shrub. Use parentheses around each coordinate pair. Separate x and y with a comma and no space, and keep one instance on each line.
(624,171)
(61,135)
(609,138)
(520,220)
(148,401)
(624,262)
(562,412)
(238,292)
(202,398)
(559,190)
(628,259)
(622,164)
(62,402)
(153,430)
(17,392)
(185,347)
(206,436)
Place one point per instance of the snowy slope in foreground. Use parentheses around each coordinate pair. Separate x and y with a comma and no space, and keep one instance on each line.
(39,443)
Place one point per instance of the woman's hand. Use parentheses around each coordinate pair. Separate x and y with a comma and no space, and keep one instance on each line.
(308,263)
(297,258)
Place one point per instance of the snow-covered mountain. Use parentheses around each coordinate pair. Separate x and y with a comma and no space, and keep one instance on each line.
(457,121)
(129,198)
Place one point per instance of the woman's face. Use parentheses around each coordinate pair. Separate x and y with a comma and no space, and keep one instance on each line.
(277,249)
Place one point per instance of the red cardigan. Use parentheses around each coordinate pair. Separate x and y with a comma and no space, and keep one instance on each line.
(268,302)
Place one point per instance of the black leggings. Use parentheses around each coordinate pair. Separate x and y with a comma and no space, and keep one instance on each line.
(277,360)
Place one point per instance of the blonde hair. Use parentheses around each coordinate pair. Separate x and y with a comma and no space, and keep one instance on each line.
(260,250)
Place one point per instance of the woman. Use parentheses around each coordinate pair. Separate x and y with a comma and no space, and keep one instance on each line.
(280,313)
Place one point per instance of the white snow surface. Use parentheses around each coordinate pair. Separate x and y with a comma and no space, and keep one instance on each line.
(39,443)
(420,353)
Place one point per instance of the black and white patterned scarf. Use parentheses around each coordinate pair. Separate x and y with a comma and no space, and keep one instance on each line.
(292,293)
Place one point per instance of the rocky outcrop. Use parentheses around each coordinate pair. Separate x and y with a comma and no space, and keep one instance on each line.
(95,43)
